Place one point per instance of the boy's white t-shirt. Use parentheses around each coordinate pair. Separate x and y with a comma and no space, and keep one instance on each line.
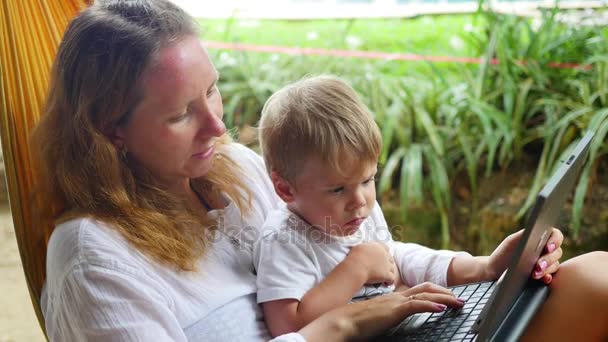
(293,257)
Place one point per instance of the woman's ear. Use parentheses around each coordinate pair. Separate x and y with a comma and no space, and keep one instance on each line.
(282,187)
(115,133)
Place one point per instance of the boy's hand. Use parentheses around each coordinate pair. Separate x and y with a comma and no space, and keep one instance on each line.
(376,261)
(546,265)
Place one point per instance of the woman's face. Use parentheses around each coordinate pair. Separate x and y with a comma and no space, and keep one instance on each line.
(172,131)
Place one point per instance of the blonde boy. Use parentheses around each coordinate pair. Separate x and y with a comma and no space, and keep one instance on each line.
(321,145)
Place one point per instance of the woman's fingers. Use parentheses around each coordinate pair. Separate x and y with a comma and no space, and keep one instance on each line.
(428,292)
(371,317)
(434,302)
(428,287)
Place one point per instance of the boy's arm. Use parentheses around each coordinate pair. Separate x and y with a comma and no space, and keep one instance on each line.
(468,269)
(287,315)
(418,264)
(366,263)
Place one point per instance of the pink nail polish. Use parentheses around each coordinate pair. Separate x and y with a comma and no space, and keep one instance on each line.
(440,307)
(543,265)
(551,248)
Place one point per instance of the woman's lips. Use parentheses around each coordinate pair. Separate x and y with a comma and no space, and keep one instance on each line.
(205,154)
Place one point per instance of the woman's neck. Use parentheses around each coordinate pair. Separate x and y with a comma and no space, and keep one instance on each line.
(207,196)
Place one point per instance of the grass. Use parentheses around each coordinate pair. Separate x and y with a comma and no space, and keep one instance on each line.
(408,36)
(417,35)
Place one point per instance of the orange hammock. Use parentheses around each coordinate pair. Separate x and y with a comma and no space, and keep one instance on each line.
(30,31)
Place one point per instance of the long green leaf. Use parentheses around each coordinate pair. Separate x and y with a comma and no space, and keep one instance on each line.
(386,178)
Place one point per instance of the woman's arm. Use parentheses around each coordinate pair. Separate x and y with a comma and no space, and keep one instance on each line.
(366,319)
(94,303)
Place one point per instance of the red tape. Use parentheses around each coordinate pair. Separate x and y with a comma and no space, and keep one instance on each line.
(368,54)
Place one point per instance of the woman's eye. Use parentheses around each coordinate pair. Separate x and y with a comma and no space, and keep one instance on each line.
(211,91)
(180,117)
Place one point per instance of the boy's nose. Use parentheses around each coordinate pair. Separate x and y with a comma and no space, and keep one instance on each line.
(358,200)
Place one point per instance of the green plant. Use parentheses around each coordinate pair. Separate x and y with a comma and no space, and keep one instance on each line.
(437,120)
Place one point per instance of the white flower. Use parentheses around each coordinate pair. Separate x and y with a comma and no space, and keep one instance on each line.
(312,35)
(227,59)
(456,43)
(353,42)
(249,23)
(536,23)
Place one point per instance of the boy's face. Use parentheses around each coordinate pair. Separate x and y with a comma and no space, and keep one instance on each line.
(333,202)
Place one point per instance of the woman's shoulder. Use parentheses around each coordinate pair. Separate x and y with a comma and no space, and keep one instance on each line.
(256,180)
(242,155)
(252,166)
(83,242)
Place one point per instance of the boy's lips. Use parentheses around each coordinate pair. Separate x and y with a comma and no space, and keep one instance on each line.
(355,222)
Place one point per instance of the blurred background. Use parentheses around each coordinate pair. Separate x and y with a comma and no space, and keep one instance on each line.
(477,102)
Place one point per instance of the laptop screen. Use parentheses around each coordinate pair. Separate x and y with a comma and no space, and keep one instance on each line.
(542,218)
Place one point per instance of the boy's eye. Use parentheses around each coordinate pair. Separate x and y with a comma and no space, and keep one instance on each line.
(370,180)
(337,190)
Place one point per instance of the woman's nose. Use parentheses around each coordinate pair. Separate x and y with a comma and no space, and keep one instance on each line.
(216,126)
(211,124)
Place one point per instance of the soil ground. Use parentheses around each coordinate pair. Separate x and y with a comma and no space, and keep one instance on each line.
(17,318)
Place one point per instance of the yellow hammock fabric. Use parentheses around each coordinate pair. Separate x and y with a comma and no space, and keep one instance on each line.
(30,31)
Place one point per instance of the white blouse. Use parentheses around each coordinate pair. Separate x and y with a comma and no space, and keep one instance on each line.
(99,288)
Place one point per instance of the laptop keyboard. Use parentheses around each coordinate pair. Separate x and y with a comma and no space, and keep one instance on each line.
(451,324)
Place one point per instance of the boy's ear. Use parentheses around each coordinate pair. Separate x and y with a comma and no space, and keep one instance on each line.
(282,187)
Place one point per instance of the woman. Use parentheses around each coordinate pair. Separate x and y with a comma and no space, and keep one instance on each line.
(158,210)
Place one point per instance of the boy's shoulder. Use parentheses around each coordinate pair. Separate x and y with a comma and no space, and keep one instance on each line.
(282,222)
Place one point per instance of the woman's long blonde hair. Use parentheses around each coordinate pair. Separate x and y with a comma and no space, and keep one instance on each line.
(94,85)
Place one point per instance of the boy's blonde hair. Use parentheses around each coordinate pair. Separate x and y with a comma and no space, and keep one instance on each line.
(319,117)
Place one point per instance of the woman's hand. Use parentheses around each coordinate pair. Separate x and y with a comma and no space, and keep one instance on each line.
(366,319)
(547,264)
(376,261)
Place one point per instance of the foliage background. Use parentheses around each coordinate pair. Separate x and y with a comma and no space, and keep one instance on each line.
(466,146)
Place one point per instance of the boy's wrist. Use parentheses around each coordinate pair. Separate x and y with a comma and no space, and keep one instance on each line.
(357,265)
(469,269)
(487,272)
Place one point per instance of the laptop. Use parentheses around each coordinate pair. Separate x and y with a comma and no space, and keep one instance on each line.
(501,310)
